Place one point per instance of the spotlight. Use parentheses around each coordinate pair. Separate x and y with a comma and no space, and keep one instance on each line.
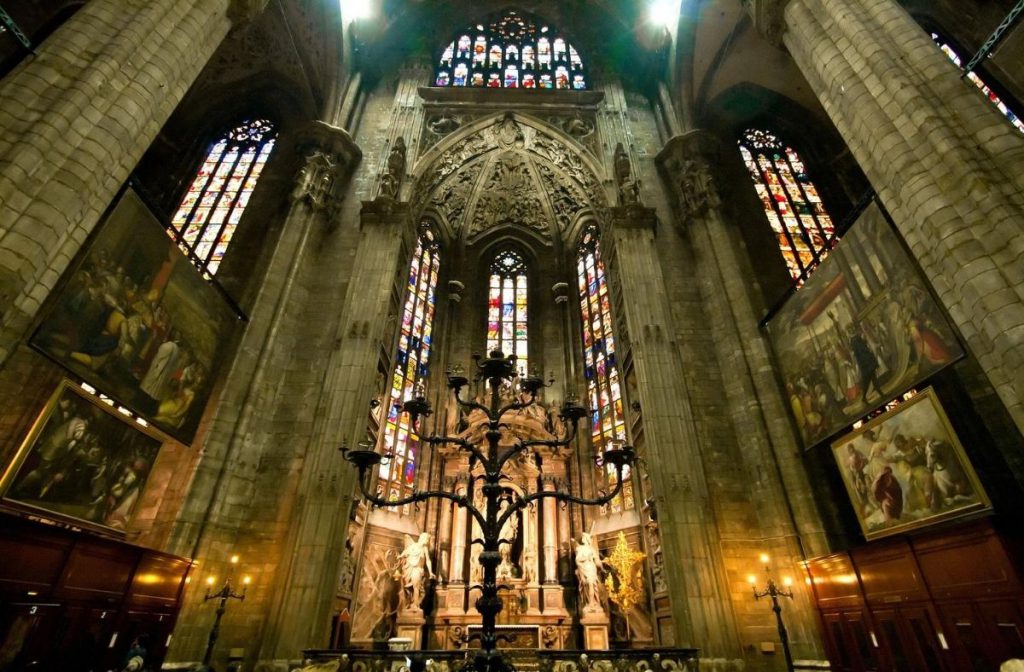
(354,10)
(665,13)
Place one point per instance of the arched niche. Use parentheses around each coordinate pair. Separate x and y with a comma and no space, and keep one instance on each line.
(508,173)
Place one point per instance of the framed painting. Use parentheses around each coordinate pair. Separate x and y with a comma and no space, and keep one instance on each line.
(906,469)
(862,331)
(82,461)
(138,322)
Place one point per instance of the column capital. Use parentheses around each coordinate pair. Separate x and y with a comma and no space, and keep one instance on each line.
(631,217)
(244,11)
(768,18)
(687,164)
(330,157)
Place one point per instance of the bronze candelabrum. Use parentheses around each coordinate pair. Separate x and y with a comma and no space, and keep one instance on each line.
(773,591)
(496,369)
(224,594)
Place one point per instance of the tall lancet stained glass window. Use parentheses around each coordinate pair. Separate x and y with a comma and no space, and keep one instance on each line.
(206,219)
(803,229)
(397,475)
(980,83)
(601,370)
(506,308)
(514,51)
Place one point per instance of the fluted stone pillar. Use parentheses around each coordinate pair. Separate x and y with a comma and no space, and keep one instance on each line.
(456,572)
(945,162)
(74,121)
(755,404)
(550,532)
(701,609)
(309,573)
(221,491)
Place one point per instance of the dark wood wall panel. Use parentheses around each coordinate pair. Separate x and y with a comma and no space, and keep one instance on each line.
(948,600)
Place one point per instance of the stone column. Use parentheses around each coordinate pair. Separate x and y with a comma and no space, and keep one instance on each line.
(550,533)
(74,121)
(787,517)
(456,572)
(702,612)
(310,568)
(221,492)
(444,526)
(945,162)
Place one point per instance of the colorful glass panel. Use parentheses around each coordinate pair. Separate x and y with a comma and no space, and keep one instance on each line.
(802,227)
(205,221)
(512,51)
(980,83)
(600,369)
(506,308)
(396,476)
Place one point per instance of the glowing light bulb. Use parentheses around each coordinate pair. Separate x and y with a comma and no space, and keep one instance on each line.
(234,559)
(751,579)
(787,581)
(764,558)
(210,580)
(246,580)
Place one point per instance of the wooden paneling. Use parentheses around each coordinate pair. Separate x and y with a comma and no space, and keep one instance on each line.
(31,565)
(889,573)
(946,600)
(96,571)
(158,581)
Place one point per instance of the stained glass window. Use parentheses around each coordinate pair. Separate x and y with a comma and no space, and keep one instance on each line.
(506,308)
(601,370)
(980,83)
(206,219)
(791,202)
(396,476)
(514,51)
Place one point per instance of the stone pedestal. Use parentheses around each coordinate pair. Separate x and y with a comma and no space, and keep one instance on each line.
(409,626)
(595,630)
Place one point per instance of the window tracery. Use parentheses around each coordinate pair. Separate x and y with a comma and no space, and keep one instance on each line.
(397,475)
(506,308)
(512,52)
(975,79)
(601,370)
(205,222)
(803,229)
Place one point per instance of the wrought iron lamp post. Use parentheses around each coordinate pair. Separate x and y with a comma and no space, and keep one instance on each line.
(224,594)
(496,369)
(773,591)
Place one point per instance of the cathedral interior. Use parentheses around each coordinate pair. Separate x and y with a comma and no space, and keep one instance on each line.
(257,256)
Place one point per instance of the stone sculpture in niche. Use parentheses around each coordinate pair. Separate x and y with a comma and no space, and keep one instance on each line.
(588,572)
(416,570)
(391,180)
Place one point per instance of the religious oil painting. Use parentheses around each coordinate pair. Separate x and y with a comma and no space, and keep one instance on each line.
(907,469)
(138,322)
(863,330)
(82,460)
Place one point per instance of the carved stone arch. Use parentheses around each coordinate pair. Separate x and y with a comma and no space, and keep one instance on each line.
(508,169)
(583,220)
(439,224)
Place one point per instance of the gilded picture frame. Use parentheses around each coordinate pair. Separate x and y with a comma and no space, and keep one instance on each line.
(82,462)
(906,469)
(137,321)
(863,330)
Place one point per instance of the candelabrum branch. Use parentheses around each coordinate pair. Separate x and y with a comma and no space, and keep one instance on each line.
(524,502)
(463,444)
(550,443)
(421,496)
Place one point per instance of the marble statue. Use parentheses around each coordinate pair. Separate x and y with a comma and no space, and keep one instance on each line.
(588,572)
(416,570)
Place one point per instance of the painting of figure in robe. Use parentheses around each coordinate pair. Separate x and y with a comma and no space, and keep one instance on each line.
(82,460)
(907,469)
(137,321)
(862,331)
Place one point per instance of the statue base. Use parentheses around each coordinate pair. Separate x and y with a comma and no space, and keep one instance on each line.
(595,630)
(409,625)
